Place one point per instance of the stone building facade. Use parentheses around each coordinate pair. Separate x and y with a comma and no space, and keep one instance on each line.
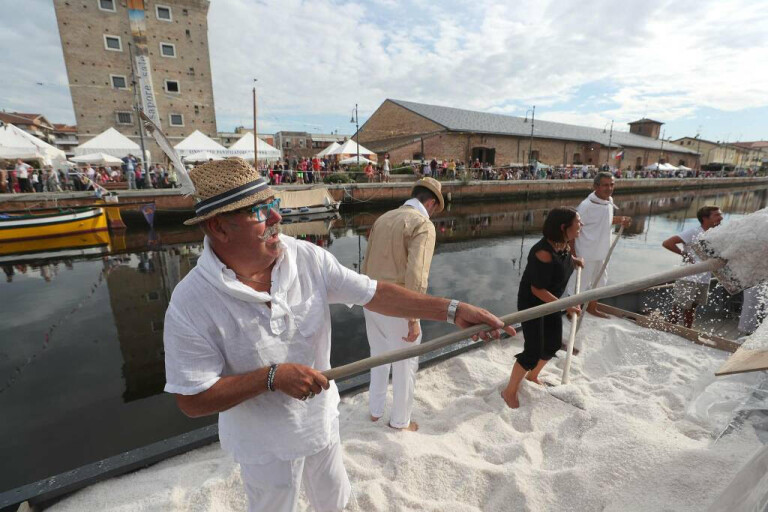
(295,145)
(412,131)
(97,42)
(727,156)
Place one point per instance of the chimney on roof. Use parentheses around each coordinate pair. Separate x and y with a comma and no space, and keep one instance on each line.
(646,127)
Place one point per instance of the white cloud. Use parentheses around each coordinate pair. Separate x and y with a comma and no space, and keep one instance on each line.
(577,62)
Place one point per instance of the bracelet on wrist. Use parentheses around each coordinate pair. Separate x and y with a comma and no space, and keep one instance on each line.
(453,306)
(271,377)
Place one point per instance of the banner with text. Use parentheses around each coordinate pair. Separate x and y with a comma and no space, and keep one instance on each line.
(138,22)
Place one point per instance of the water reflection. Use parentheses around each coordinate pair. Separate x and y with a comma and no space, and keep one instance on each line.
(83,318)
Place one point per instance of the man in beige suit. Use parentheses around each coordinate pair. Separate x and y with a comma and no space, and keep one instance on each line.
(400,249)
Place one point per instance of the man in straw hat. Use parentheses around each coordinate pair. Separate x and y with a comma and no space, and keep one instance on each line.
(248,333)
(400,249)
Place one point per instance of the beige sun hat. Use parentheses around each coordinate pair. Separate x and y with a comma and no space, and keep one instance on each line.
(435,187)
(226,185)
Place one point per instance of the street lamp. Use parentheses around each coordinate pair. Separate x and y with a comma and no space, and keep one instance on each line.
(532,110)
(356,120)
(610,140)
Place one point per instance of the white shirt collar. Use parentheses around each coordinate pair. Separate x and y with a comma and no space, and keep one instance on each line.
(594,199)
(415,203)
(284,273)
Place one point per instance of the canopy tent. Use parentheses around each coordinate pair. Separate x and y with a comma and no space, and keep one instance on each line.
(16,143)
(97,159)
(349,148)
(329,150)
(661,167)
(683,168)
(352,160)
(203,156)
(244,147)
(197,142)
(110,142)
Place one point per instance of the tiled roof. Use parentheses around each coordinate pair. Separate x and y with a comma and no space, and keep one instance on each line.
(65,128)
(460,120)
(20,118)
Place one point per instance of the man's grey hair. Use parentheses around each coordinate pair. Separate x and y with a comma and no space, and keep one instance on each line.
(601,175)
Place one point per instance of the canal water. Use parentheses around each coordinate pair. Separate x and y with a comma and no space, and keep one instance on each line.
(81,352)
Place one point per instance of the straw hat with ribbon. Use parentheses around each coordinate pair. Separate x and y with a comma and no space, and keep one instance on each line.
(433,186)
(226,185)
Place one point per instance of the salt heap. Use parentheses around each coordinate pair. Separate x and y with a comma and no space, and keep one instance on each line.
(744,243)
(642,438)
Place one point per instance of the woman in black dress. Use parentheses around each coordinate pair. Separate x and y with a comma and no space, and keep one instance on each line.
(550,264)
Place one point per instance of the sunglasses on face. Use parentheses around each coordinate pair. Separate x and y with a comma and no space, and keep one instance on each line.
(262,210)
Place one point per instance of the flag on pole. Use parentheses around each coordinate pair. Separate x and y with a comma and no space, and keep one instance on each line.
(619,155)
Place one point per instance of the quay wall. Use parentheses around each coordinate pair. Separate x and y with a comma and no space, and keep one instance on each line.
(360,194)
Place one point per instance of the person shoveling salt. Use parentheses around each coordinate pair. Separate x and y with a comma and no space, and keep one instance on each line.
(550,264)
(736,257)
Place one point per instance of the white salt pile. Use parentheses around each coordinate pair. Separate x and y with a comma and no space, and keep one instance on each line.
(758,340)
(641,438)
(744,243)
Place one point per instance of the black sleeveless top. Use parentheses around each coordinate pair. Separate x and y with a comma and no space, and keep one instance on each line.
(551,276)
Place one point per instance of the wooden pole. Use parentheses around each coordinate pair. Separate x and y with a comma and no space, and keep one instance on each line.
(255,132)
(521,316)
(572,337)
(604,266)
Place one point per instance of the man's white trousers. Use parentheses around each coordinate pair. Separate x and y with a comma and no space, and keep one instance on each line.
(588,273)
(386,333)
(274,487)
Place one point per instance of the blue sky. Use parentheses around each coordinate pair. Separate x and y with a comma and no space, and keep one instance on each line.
(697,65)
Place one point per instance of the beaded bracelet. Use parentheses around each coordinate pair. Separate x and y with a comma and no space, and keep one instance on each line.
(271,377)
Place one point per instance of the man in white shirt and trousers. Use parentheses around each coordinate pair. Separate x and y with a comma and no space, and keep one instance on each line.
(597,219)
(691,291)
(248,333)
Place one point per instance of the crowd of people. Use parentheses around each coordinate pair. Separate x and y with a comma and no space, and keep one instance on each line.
(450,169)
(22,177)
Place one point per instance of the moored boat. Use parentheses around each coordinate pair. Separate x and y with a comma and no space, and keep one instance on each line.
(31,226)
(306,202)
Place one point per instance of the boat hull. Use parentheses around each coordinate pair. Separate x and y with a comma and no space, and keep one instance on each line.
(31,227)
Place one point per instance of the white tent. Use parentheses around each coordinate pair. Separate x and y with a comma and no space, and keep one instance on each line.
(329,150)
(203,156)
(97,159)
(350,147)
(111,142)
(683,168)
(197,142)
(244,148)
(352,160)
(661,167)
(16,143)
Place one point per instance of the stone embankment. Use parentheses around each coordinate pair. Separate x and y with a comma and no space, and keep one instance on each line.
(170,201)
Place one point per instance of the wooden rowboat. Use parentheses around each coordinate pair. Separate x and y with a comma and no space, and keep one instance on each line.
(44,225)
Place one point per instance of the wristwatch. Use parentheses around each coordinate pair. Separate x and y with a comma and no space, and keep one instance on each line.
(452,307)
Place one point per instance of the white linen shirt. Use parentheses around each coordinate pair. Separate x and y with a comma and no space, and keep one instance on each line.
(594,242)
(689,236)
(216,326)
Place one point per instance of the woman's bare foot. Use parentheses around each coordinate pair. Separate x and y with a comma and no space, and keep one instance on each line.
(535,380)
(374,418)
(510,399)
(412,427)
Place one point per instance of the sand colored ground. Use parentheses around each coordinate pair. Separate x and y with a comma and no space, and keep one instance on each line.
(634,431)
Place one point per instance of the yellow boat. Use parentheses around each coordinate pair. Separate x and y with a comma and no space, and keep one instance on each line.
(58,247)
(45,225)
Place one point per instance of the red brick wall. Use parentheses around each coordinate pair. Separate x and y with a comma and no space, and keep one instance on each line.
(391,121)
